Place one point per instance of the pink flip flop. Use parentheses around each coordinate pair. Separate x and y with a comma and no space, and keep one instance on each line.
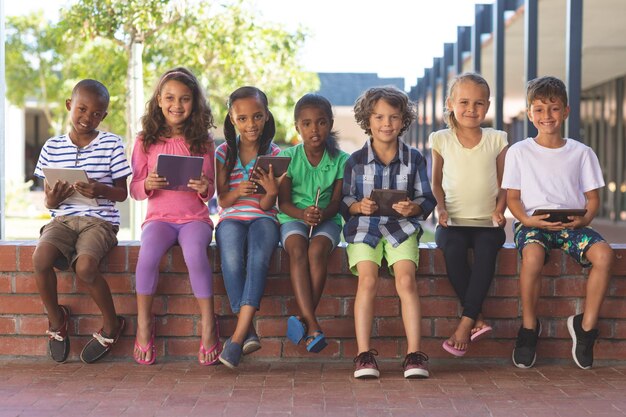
(479,334)
(452,350)
(217,347)
(150,347)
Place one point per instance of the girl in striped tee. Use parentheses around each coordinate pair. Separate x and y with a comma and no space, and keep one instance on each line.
(247,231)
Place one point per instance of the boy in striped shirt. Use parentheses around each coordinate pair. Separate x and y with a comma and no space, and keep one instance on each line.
(80,235)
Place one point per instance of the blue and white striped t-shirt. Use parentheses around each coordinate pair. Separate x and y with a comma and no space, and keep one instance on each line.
(103,160)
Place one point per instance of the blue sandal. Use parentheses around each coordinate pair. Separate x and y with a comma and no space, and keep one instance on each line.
(295,330)
(316,342)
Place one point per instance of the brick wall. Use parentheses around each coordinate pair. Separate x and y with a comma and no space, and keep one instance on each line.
(23,322)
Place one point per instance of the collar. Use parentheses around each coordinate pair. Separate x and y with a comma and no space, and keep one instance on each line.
(402,155)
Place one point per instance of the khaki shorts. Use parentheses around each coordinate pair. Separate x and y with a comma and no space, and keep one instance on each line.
(74,236)
(407,250)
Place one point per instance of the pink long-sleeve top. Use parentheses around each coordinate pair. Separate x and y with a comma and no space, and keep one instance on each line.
(167,205)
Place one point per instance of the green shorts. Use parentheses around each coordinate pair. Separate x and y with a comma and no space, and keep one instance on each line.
(407,250)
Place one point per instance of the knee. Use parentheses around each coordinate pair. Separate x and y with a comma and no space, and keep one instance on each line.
(368,284)
(603,258)
(87,269)
(318,254)
(297,253)
(406,284)
(41,262)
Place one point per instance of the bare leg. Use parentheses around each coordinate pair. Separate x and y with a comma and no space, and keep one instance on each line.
(601,256)
(46,280)
(244,322)
(144,325)
(364,303)
(533,256)
(208,328)
(406,286)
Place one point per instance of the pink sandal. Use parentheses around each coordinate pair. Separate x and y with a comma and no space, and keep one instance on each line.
(217,347)
(150,347)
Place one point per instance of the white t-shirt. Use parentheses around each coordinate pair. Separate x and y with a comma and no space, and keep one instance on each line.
(470,176)
(552,178)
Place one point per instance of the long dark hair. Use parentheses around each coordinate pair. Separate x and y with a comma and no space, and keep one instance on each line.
(269,129)
(322,103)
(195,128)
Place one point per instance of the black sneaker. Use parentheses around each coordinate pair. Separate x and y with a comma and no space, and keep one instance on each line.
(524,353)
(365,365)
(582,341)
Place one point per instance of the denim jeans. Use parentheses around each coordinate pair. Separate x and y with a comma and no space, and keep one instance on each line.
(246,248)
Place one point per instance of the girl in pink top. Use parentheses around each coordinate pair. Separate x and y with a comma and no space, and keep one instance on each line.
(177,122)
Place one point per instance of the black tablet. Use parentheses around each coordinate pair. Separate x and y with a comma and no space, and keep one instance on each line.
(178,170)
(279,167)
(385,199)
(560,215)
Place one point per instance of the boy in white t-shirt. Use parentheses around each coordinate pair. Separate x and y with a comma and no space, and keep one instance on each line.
(550,171)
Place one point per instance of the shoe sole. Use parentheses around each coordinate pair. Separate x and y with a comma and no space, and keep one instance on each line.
(226,363)
(572,333)
(367,374)
(250,347)
(521,365)
(416,373)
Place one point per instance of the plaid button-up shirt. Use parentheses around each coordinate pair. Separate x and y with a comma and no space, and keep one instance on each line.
(365,172)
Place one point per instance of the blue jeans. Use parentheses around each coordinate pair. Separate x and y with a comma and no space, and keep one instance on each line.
(246,248)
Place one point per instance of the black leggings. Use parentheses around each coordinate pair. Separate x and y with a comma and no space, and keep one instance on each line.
(470,282)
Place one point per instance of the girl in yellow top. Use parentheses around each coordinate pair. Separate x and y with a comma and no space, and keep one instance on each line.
(468,162)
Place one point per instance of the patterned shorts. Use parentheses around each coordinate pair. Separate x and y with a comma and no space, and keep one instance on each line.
(574,242)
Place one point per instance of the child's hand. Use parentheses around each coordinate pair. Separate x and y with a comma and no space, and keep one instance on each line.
(576,222)
(406,208)
(268,181)
(59,192)
(367,206)
(154,182)
(539,222)
(246,188)
(201,186)
(312,215)
(443,217)
(89,190)
(499,219)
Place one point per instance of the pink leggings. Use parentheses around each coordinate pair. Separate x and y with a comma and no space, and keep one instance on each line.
(194,239)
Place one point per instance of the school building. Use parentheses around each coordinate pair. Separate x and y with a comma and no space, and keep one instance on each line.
(513,41)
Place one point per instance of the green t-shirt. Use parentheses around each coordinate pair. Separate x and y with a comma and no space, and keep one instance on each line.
(305,178)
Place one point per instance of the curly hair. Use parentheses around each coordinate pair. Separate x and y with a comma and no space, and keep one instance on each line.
(319,102)
(546,89)
(230,134)
(196,126)
(448,115)
(364,106)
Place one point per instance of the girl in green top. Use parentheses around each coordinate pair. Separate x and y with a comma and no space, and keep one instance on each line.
(308,199)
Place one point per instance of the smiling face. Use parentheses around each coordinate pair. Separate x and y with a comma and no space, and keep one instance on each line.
(87,109)
(548,115)
(314,127)
(176,103)
(385,122)
(248,116)
(469,103)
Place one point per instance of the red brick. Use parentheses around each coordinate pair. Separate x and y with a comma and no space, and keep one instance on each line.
(20,304)
(501,307)
(280,286)
(570,286)
(270,348)
(383,306)
(178,260)
(7,325)
(337,327)
(182,347)
(292,351)
(335,286)
(444,327)
(507,262)
(338,262)
(425,262)
(609,349)
(174,284)
(271,306)
(118,284)
(33,325)
(440,286)
(272,326)
(176,326)
(23,346)
(556,307)
(116,260)
(218,285)
(182,305)
(87,325)
(553,267)
(275,267)
(25,258)
(617,287)
(620,330)
(387,348)
(619,266)
(388,327)
(439,263)
(439,307)
(25,283)
(505,287)
(571,267)
(133,254)
(5,284)
(613,308)
(8,257)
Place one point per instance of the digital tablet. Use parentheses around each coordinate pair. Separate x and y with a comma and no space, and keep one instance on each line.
(279,167)
(385,199)
(560,215)
(69,175)
(178,170)
(482,222)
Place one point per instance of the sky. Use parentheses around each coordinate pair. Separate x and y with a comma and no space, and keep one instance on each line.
(393,38)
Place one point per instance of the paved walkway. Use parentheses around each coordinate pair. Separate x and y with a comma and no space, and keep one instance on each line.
(457,388)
